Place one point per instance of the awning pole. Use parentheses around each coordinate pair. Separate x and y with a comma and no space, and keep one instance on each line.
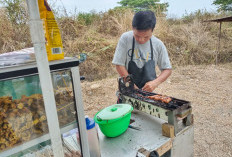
(38,40)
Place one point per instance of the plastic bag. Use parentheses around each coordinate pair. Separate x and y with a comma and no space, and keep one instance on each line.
(54,44)
(17,57)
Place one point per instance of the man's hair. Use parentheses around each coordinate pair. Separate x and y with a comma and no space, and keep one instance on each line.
(144,20)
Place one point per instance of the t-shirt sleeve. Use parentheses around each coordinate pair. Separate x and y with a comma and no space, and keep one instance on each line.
(120,52)
(163,59)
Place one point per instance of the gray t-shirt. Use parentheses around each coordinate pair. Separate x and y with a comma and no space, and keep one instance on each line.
(142,52)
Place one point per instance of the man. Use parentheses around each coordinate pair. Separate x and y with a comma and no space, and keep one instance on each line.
(138,52)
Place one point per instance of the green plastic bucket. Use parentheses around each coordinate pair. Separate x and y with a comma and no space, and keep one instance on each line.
(114,120)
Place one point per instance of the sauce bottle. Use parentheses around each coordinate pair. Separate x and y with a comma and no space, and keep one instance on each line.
(93,139)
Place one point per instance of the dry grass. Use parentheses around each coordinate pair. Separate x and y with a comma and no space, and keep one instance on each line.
(12,36)
(189,40)
(188,43)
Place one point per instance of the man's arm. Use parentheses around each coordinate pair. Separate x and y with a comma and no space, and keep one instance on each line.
(151,85)
(121,70)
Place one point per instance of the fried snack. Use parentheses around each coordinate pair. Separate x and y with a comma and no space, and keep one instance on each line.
(37,131)
(6,97)
(5,126)
(20,106)
(36,96)
(162,98)
(42,118)
(2,146)
(2,140)
(12,106)
(36,121)
(29,124)
(30,101)
(23,98)
(26,135)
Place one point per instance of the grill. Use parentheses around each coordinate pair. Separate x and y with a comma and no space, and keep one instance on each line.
(177,112)
(172,105)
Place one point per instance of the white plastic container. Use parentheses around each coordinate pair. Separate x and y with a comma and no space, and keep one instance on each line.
(93,139)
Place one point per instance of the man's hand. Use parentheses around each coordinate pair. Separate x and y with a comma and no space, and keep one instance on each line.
(135,87)
(150,86)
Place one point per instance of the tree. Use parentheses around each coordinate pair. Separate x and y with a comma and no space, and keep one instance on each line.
(223,5)
(16,10)
(144,5)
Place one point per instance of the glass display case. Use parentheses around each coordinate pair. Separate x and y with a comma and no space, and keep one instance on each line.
(22,113)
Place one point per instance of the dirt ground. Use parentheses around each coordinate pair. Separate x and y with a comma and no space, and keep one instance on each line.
(209,88)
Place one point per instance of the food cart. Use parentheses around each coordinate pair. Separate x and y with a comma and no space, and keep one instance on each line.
(43,100)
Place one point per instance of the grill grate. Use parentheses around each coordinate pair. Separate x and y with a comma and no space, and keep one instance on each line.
(126,87)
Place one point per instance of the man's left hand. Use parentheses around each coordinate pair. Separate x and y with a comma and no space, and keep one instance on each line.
(150,86)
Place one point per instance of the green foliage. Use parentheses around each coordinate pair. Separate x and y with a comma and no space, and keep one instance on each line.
(16,10)
(138,5)
(88,18)
(201,15)
(223,5)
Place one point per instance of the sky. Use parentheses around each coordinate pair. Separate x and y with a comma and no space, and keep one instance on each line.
(177,8)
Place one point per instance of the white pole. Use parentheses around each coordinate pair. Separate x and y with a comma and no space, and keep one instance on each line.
(80,111)
(38,40)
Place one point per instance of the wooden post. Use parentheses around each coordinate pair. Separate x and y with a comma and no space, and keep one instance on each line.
(168,130)
(219,39)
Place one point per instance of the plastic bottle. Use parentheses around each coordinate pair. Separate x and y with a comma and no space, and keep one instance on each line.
(93,139)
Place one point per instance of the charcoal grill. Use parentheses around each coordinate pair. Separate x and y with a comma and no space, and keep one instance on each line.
(177,112)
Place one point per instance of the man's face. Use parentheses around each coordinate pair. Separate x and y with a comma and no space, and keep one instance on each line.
(142,36)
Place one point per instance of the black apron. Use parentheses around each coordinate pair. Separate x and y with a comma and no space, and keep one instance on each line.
(142,75)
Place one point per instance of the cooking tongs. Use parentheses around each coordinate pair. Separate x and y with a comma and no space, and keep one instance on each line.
(134,127)
(126,84)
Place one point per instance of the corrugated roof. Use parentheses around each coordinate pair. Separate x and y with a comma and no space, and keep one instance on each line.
(225,19)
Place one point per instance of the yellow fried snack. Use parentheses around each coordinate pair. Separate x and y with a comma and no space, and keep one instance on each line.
(36,121)
(2,146)
(5,126)
(20,105)
(42,118)
(30,101)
